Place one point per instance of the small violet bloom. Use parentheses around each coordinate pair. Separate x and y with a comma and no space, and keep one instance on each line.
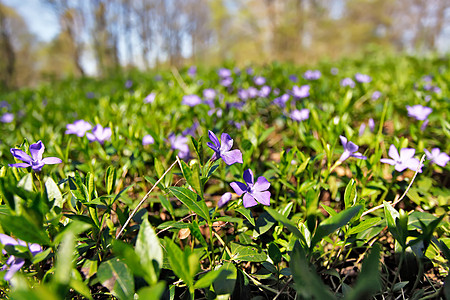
(293,78)
(148,140)
(222,149)
(150,98)
(264,91)
(376,95)
(191,100)
(15,263)
(347,82)
(253,192)
(402,161)
(226,81)
(36,162)
(252,92)
(179,142)
(437,157)
(419,112)
(7,118)
(281,101)
(300,115)
(128,84)
(334,71)
(224,73)
(312,75)
(209,94)
(79,127)
(349,150)
(224,199)
(259,80)
(192,71)
(362,78)
(300,92)
(99,134)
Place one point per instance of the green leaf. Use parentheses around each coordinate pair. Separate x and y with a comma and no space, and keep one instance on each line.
(189,198)
(149,251)
(195,231)
(24,229)
(274,253)
(166,204)
(369,281)
(394,222)
(159,168)
(153,292)
(264,222)
(247,214)
(364,225)
(192,177)
(53,193)
(198,147)
(78,189)
(350,194)
(329,210)
(178,261)
(225,282)
(128,255)
(110,179)
(64,257)
(117,278)
(333,223)
(287,223)
(121,192)
(247,253)
(207,279)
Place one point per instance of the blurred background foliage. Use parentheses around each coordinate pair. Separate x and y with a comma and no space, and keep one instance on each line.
(98,37)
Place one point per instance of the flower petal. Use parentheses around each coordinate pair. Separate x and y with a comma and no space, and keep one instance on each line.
(358,155)
(7,240)
(90,136)
(37,150)
(226,142)
(38,167)
(413,164)
(14,267)
(442,159)
(344,155)
(20,165)
(214,139)
(231,157)
(19,154)
(35,248)
(238,187)
(249,201)
(224,199)
(261,184)
(262,197)
(393,153)
(51,160)
(352,147)
(212,146)
(388,161)
(406,153)
(400,167)
(343,141)
(248,177)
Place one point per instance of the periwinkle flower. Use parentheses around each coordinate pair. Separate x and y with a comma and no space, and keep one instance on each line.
(79,127)
(249,71)
(191,130)
(253,192)
(293,78)
(15,263)
(226,81)
(223,72)
(371,124)
(224,199)
(402,161)
(209,94)
(312,74)
(7,118)
(362,128)
(128,84)
(222,149)
(90,95)
(99,134)
(148,140)
(300,115)
(180,143)
(362,78)
(376,95)
(264,91)
(419,112)
(150,98)
(5,104)
(300,92)
(350,150)
(192,71)
(347,82)
(35,161)
(424,125)
(191,100)
(252,92)
(243,94)
(334,71)
(259,80)
(281,101)
(437,157)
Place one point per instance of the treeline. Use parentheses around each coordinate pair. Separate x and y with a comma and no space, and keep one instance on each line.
(117,34)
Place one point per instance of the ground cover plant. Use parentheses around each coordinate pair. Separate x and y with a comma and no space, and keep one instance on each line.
(272,182)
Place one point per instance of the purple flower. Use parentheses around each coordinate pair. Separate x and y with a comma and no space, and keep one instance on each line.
(192,71)
(5,104)
(7,118)
(362,128)
(150,98)
(362,78)
(404,160)
(437,157)
(191,100)
(376,95)
(79,127)
(253,192)
(334,71)
(191,130)
(300,115)
(90,95)
(209,94)
(15,263)
(36,162)
(224,73)
(226,81)
(347,82)
(179,142)
(300,92)
(424,125)
(371,125)
(312,75)
(252,92)
(243,94)
(259,80)
(99,134)
(249,71)
(128,84)
(418,111)
(293,78)
(148,140)
(349,150)
(222,149)
(264,91)
(281,101)
(224,199)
